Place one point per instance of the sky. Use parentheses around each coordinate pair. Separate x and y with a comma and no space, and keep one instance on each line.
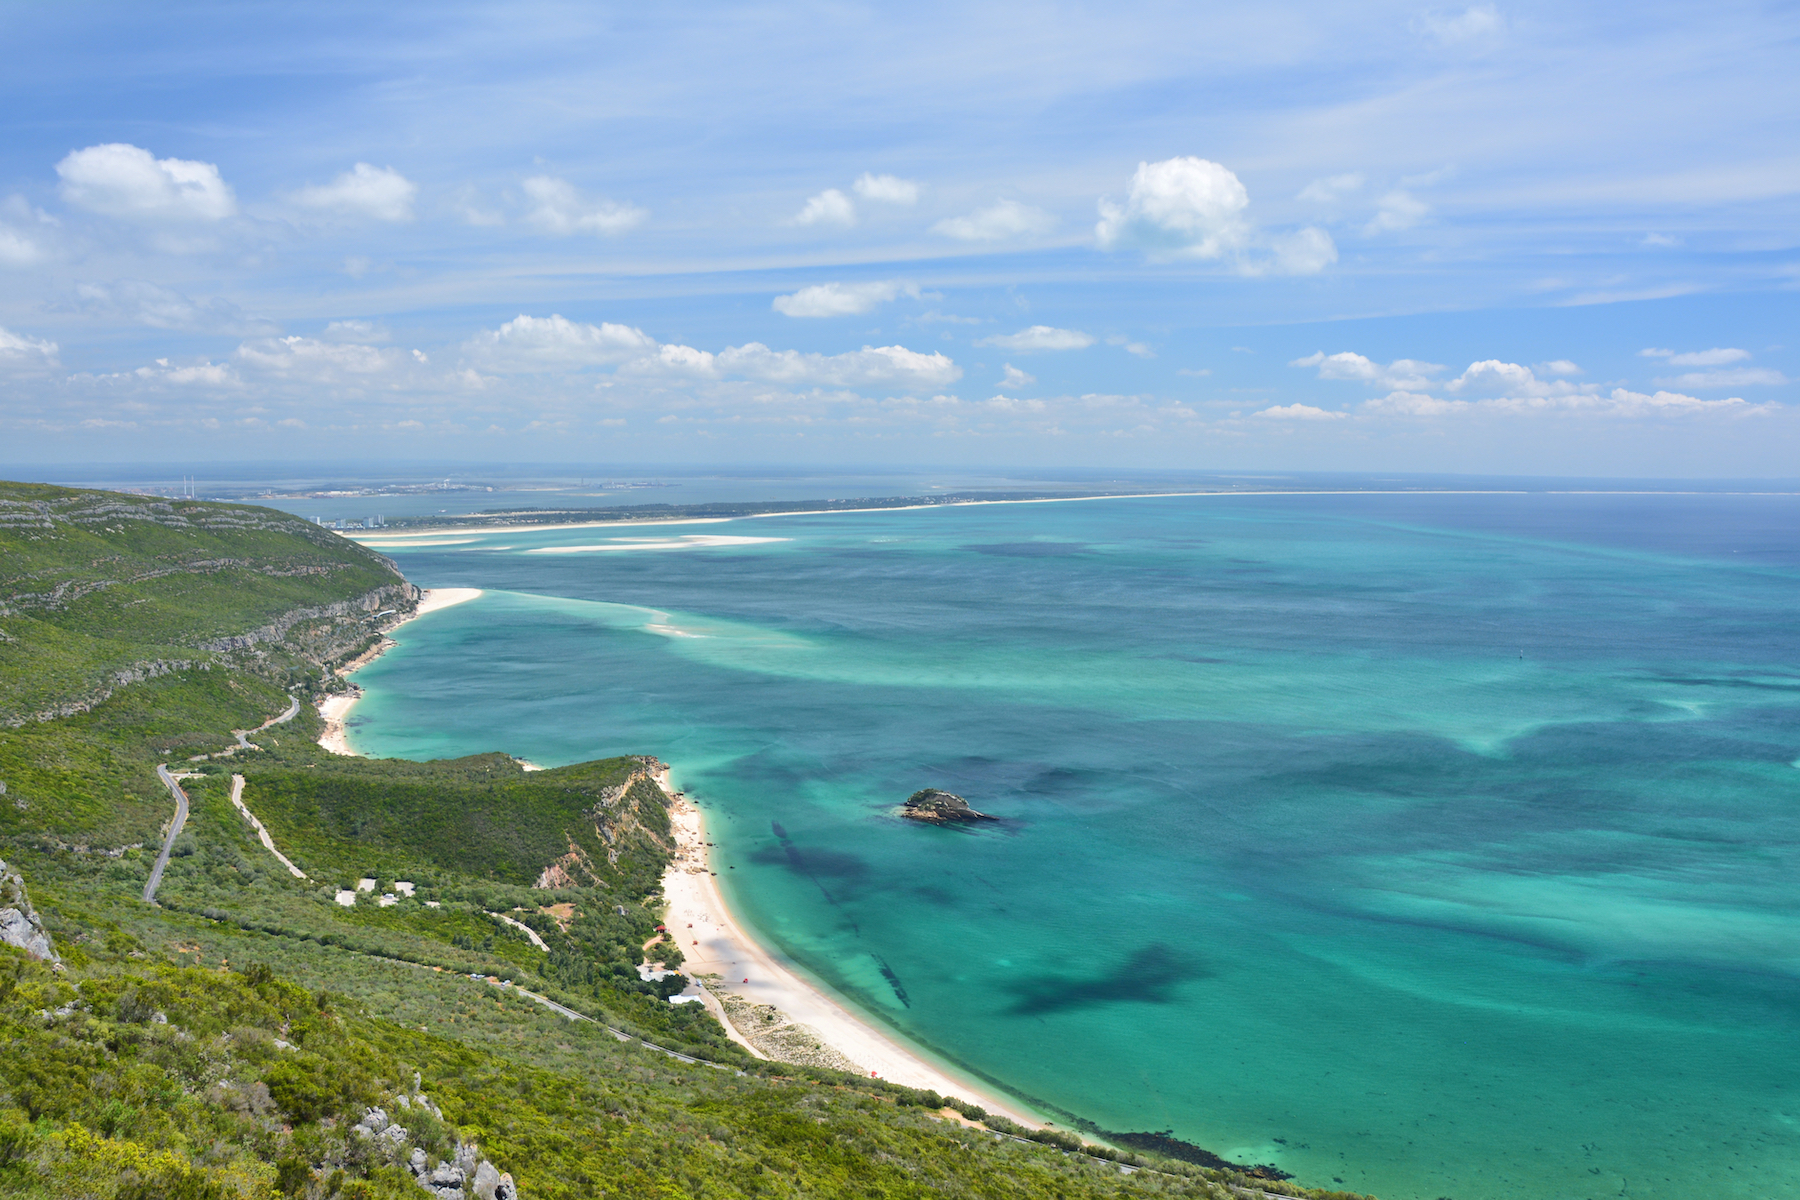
(1525,238)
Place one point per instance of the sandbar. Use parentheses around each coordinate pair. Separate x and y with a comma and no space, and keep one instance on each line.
(335,710)
(717,945)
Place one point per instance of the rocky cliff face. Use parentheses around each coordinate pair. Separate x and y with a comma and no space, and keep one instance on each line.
(19,923)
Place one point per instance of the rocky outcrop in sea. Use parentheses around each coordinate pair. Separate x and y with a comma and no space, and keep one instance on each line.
(940,808)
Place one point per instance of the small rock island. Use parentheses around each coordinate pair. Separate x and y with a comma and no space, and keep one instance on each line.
(940,808)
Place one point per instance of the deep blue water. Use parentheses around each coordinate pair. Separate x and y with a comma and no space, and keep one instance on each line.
(1440,845)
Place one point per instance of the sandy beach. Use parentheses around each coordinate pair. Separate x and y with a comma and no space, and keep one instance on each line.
(715,945)
(336,709)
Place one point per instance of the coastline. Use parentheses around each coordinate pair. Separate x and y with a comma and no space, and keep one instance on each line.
(724,958)
(335,710)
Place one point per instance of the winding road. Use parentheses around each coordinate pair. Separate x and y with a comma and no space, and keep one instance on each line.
(181,802)
(181,816)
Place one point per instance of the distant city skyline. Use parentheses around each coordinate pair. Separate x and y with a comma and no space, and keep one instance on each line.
(1493,238)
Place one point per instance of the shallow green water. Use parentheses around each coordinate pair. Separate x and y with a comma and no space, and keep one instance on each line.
(1443,846)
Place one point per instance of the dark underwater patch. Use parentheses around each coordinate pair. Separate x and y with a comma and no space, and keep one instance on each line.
(1149,976)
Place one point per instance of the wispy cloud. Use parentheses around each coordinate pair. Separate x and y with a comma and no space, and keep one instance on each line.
(840,299)
(1039,337)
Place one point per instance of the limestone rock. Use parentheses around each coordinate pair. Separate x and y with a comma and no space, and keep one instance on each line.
(940,808)
(19,923)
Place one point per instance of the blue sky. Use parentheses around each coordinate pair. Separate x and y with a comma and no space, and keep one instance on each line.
(1535,238)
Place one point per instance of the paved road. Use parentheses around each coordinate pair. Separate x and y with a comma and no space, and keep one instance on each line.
(181,816)
(293,710)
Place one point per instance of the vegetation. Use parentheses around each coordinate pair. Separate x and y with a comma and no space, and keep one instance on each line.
(226,1041)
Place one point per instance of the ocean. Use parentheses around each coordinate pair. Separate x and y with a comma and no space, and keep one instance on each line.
(1422,845)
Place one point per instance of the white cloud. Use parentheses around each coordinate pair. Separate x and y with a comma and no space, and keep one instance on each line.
(1302,252)
(1195,372)
(354,331)
(1476,22)
(546,343)
(160,308)
(1179,206)
(120,180)
(209,374)
(1716,357)
(1130,347)
(829,207)
(1194,208)
(1560,366)
(886,189)
(1331,189)
(559,208)
(840,299)
(894,366)
(1738,377)
(1513,379)
(1659,240)
(1299,412)
(1620,402)
(1014,405)
(1039,337)
(311,358)
(18,246)
(1001,220)
(23,350)
(380,193)
(1395,211)
(1015,378)
(1401,374)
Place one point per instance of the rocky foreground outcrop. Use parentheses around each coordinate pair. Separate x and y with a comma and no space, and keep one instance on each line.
(19,923)
(464,1176)
(940,808)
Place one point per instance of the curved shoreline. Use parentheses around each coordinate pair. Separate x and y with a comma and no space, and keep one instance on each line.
(718,947)
(335,710)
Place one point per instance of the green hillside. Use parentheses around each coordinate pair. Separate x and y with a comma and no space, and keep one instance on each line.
(229,1039)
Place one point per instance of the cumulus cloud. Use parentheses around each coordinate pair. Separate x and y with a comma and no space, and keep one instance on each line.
(379,193)
(1001,220)
(886,189)
(554,342)
(120,180)
(558,207)
(1187,206)
(23,350)
(880,366)
(1402,373)
(355,331)
(1015,378)
(1397,210)
(829,207)
(311,358)
(1039,337)
(840,299)
(1559,366)
(1194,208)
(1299,412)
(203,373)
(161,308)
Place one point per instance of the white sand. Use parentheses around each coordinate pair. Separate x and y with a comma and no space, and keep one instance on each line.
(336,709)
(718,945)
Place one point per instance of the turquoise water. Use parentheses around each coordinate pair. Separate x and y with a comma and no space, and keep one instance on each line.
(1440,845)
